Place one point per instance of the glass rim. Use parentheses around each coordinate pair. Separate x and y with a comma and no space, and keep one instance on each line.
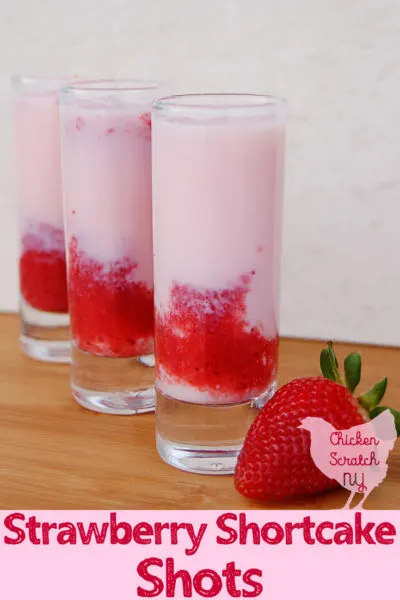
(39,83)
(111,85)
(232,101)
(18,78)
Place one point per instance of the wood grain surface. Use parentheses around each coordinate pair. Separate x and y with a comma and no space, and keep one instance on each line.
(56,455)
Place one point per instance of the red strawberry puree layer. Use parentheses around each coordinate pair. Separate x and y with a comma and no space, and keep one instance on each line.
(111,314)
(42,269)
(203,339)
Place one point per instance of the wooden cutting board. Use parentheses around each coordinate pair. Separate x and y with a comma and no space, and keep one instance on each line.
(56,455)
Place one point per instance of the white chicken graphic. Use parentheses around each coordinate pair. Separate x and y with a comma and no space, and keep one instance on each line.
(355,457)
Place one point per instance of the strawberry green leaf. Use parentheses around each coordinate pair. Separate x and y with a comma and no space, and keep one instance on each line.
(333,355)
(371,399)
(352,371)
(334,363)
(380,409)
(326,365)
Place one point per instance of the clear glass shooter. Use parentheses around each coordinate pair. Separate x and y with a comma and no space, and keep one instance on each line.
(218,170)
(42,268)
(106,163)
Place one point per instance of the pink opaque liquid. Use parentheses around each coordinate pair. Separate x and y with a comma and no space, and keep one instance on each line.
(107,183)
(217,194)
(39,194)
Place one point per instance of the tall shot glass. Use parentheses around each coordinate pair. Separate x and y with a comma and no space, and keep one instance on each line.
(218,169)
(42,268)
(106,160)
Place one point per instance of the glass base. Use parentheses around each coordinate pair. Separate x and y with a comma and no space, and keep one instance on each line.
(55,352)
(114,386)
(45,336)
(201,438)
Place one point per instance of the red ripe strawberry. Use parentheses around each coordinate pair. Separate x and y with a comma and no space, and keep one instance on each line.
(275,461)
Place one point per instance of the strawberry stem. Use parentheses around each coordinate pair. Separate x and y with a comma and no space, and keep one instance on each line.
(352,369)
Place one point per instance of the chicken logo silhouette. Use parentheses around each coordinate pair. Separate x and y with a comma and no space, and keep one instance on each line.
(357,457)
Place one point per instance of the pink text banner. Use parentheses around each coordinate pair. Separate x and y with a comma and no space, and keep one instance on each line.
(275,555)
